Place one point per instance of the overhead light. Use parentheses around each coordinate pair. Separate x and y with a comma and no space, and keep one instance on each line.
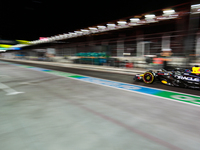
(196,5)
(101,27)
(169,11)
(84,30)
(57,37)
(121,22)
(69,35)
(135,19)
(78,31)
(150,16)
(91,28)
(72,33)
(195,9)
(110,24)
(61,36)
(66,35)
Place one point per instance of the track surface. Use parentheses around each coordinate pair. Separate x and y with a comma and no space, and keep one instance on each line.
(112,76)
(58,113)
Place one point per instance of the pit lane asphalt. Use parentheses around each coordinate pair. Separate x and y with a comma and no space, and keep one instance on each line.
(58,113)
(122,77)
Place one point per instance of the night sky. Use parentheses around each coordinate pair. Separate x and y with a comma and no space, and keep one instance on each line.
(31,19)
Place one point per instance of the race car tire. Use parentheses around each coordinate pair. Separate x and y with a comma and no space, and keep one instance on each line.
(148,77)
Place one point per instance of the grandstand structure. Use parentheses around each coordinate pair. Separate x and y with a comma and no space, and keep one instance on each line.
(174,30)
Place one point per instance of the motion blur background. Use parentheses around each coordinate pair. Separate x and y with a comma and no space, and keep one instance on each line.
(67,69)
(104,33)
(31,19)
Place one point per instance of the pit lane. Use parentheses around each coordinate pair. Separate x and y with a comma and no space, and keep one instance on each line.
(121,77)
(54,112)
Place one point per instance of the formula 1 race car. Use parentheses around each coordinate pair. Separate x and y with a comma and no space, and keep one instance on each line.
(177,77)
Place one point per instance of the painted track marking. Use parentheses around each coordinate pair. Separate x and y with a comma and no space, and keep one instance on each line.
(9,90)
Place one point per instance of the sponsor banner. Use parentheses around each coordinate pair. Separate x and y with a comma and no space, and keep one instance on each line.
(187,78)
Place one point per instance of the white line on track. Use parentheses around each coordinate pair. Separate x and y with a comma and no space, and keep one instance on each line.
(9,90)
(4,76)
